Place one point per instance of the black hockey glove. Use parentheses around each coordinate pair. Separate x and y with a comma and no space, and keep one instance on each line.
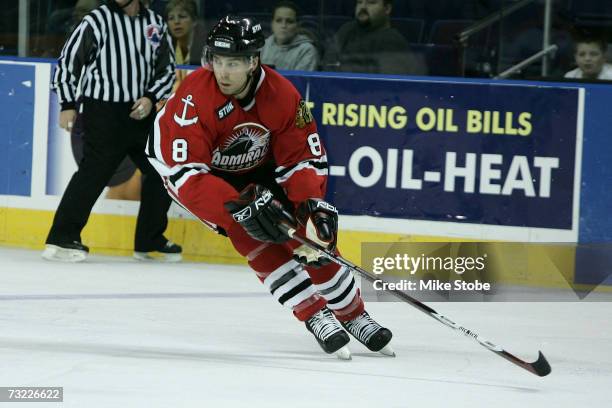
(259,213)
(320,222)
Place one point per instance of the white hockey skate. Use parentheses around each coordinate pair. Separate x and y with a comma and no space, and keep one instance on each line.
(69,252)
(330,335)
(370,334)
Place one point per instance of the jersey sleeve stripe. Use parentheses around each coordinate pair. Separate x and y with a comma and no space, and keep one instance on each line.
(174,178)
(154,145)
(178,175)
(320,167)
(182,179)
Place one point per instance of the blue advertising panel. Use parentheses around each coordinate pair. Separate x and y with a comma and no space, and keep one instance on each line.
(596,172)
(459,152)
(17,87)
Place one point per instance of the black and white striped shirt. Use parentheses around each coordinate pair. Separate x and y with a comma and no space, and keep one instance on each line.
(113,57)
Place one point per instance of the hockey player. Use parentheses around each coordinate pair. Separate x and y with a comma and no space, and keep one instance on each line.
(235,145)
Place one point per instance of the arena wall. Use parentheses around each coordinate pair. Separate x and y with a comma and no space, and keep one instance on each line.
(411,159)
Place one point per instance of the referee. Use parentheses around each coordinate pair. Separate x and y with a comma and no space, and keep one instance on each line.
(120,59)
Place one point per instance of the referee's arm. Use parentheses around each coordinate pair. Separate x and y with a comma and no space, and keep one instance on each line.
(164,75)
(78,51)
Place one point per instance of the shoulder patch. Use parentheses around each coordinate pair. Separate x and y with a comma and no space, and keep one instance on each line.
(303,115)
(153,32)
(184,120)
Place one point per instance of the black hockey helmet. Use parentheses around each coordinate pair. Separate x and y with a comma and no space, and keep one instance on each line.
(236,36)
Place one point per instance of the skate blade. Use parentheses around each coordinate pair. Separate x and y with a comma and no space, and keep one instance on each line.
(157,257)
(387,351)
(58,254)
(343,353)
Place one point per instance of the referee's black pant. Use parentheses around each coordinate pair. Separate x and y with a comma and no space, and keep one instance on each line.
(109,135)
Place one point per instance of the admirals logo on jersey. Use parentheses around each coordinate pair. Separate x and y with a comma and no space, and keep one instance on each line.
(153,34)
(244,149)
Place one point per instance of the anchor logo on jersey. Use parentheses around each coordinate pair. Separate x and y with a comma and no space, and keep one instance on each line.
(182,120)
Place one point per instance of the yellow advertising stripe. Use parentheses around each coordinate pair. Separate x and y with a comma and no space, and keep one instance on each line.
(535,265)
(114,235)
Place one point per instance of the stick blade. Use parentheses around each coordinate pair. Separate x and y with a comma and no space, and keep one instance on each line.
(541,367)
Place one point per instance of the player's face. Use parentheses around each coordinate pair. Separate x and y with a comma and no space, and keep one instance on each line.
(590,59)
(180,23)
(372,12)
(231,73)
(284,25)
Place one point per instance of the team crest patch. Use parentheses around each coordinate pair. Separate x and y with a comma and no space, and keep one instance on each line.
(246,148)
(303,115)
(153,34)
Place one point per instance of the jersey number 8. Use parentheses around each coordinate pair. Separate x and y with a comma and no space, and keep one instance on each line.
(179,150)
(315,144)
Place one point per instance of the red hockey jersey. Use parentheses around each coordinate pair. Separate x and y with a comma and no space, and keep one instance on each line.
(201,131)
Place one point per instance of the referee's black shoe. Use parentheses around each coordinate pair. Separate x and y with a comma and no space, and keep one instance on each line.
(170,252)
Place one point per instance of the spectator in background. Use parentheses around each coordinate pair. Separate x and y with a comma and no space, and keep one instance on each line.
(181,16)
(590,57)
(287,48)
(187,37)
(369,44)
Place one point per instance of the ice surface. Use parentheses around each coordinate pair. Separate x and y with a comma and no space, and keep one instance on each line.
(118,333)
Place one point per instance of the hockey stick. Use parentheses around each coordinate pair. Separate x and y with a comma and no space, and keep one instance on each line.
(540,367)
